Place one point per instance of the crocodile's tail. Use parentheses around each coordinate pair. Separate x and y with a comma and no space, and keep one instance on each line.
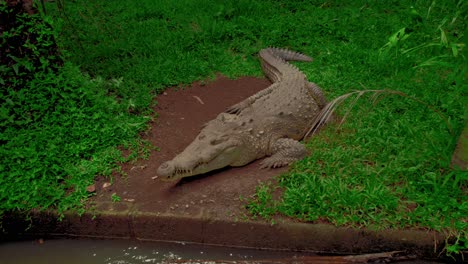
(275,66)
(289,55)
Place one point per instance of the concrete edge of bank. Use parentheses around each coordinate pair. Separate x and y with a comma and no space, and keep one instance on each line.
(291,236)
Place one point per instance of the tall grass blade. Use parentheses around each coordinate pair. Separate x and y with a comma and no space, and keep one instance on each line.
(327,112)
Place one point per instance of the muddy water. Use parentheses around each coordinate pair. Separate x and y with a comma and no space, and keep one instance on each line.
(122,252)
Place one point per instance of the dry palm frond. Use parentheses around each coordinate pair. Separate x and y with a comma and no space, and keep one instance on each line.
(327,112)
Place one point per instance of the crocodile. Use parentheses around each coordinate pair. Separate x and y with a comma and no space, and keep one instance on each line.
(267,124)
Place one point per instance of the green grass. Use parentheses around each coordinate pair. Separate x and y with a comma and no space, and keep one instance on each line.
(59,127)
(50,160)
(388,166)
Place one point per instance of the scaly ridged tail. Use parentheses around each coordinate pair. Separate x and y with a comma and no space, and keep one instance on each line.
(275,66)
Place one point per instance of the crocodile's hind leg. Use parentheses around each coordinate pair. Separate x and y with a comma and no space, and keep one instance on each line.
(284,151)
(317,94)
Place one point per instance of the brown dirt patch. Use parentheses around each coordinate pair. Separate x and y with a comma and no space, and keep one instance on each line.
(180,116)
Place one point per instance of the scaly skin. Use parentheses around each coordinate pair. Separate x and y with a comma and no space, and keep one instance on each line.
(267,124)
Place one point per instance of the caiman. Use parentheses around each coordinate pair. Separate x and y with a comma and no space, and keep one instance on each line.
(268,124)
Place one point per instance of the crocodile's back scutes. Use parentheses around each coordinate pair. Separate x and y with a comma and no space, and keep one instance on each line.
(290,107)
(275,67)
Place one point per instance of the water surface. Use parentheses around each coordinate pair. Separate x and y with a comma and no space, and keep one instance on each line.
(87,251)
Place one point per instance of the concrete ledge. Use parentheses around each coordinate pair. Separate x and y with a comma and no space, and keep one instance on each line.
(287,235)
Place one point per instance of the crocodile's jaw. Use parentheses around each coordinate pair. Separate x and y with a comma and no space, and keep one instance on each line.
(195,160)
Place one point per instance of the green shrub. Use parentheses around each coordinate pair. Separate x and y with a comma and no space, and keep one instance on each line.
(59,128)
(27,46)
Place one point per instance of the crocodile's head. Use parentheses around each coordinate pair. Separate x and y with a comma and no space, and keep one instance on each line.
(217,146)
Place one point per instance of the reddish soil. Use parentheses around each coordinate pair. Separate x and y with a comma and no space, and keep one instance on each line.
(180,116)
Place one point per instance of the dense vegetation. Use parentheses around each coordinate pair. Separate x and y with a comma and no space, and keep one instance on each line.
(59,128)
(388,165)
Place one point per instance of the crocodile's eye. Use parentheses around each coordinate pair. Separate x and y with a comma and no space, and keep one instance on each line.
(201,137)
(217,141)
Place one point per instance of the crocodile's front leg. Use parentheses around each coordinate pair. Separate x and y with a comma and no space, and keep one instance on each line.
(284,151)
(237,108)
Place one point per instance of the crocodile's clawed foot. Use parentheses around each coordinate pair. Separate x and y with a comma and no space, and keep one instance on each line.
(232,110)
(272,163)
(285,151)
(237,108)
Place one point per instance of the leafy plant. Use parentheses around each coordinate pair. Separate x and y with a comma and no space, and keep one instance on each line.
(59,128)
(28,47)
(115,198)
(263,204)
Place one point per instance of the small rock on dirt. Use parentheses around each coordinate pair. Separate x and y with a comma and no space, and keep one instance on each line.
(91,188)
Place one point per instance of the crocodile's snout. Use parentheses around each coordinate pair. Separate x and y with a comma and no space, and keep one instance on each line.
(166,169)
